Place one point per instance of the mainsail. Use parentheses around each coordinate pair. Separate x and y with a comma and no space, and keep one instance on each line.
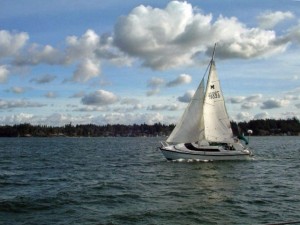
(191,123)
(216,120)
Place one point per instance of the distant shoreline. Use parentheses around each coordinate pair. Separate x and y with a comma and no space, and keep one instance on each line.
(267,127)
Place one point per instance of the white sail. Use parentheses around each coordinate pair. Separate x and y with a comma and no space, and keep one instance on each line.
(216,120)
(190,125)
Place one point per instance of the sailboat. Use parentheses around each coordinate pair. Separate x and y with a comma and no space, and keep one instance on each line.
(204,132)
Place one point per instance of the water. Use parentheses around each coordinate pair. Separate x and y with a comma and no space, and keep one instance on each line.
(127,181)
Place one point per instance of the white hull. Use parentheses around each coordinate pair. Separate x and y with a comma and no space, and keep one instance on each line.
(213,154)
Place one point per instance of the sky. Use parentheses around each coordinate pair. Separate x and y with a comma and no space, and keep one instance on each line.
(109,62)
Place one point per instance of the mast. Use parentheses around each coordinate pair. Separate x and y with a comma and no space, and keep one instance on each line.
(210,65)
(213,54)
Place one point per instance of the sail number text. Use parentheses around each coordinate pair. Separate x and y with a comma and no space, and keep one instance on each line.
(214,95)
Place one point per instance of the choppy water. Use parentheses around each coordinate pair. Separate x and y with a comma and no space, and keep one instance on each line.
(127,181)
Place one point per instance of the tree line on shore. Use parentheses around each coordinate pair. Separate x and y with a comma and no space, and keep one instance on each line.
(259,128)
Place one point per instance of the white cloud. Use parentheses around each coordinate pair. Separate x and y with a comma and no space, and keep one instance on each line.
(268,19)
(181,79)
(298,106)
(11,43)
(4,72)
(179,33)
(154,41)
(235,40)
(86,70)
(37,54)
(83,47)
(187,96)
(100,98)
(86,51)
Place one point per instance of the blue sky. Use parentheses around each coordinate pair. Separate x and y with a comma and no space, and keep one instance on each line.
(139,62)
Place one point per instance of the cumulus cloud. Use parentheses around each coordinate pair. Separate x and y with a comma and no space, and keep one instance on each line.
(11,43)
(152,39)
(86,70)
(82,47)
(4,104)
(298,106)
(3,73)
(89,50)
(274,103)
(86,52)
(100,98)
(47,78)
(180,33)
(187,97)
(182,79)
(238,41)
(37,54)
(268,20)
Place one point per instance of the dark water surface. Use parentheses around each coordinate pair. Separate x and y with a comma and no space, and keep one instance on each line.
(127,181)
